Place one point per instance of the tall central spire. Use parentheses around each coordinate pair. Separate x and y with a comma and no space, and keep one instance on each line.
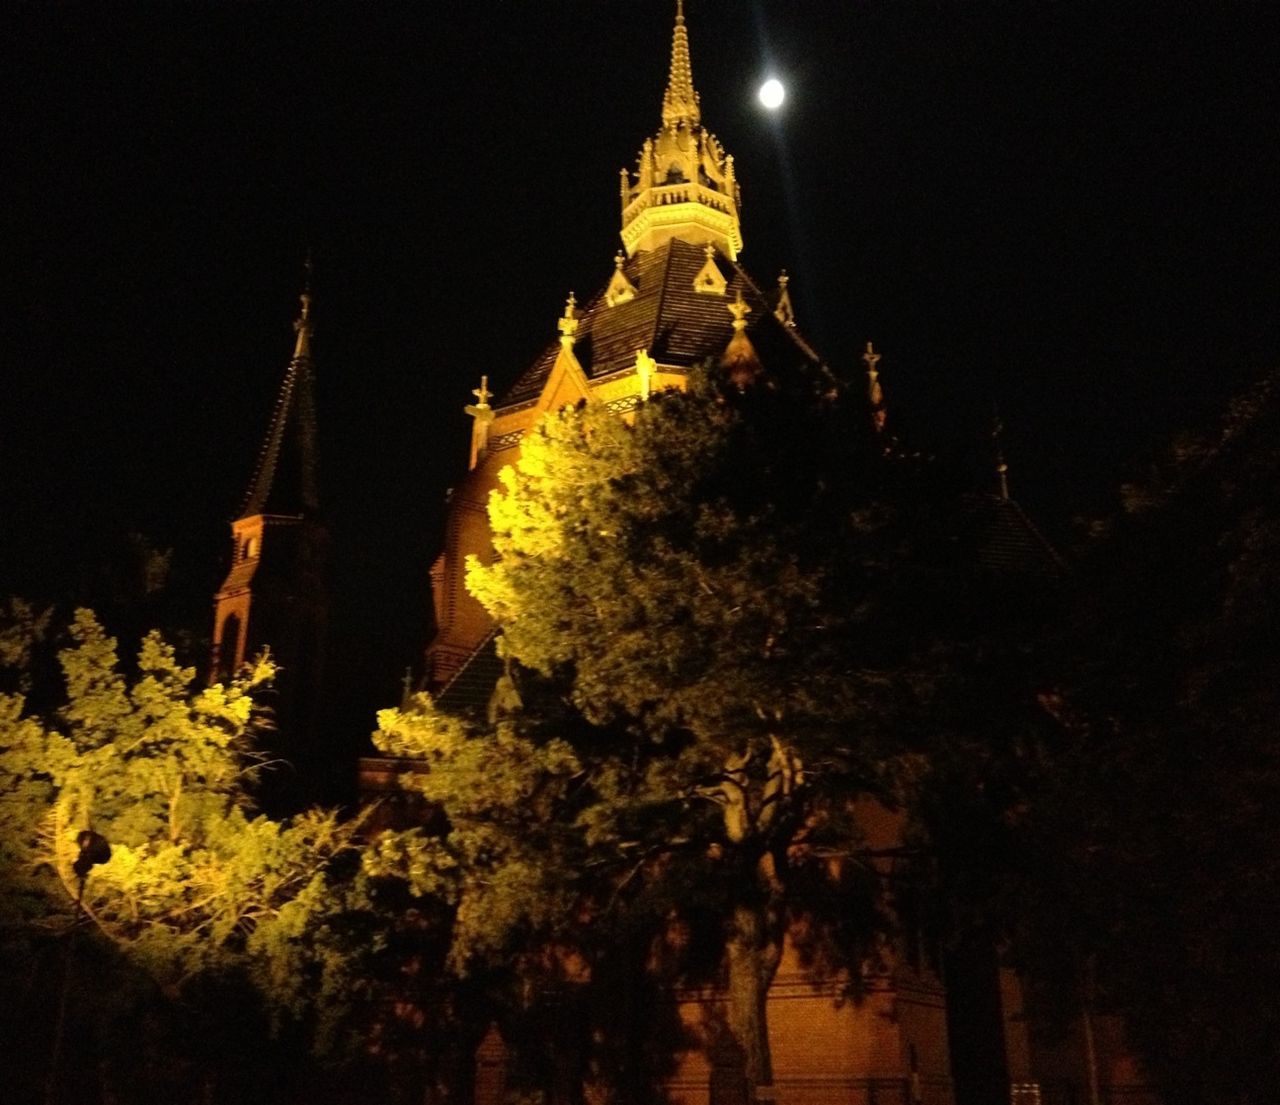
(684,185)
(680,104)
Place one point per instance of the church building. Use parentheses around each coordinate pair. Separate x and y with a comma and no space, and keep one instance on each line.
(675,296)
(672,297)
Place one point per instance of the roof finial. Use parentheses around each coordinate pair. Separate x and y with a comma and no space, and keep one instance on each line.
(875,394)
(739,360)
(783,310)
(568,324)
(680,103)
(997,436)
(483,415)
(302,324)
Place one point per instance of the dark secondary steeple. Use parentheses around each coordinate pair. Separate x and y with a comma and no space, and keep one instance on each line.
(284,480)
(275,582)
(273,596)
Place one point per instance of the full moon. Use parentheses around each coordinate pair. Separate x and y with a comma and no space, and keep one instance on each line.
(772,93)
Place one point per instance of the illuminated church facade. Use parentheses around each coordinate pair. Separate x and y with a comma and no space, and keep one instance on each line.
(674,297)
(677,297)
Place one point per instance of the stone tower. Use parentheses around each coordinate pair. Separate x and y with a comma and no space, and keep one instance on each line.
(273,596)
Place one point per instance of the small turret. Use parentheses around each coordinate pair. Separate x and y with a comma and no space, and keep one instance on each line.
(684,186)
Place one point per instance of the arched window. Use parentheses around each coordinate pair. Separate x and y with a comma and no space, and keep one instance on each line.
(228,647)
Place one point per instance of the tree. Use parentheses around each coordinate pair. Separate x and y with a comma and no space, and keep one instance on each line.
(726,585)
(1120,840)
(1171,703)
(198,890)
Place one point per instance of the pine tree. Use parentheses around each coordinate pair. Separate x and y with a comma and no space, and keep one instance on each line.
(722,585)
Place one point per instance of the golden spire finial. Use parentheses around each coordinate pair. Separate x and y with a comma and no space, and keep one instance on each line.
(483,415)
(739,359)
(783,310)
(680,103)
(302,324)
(568,324)
(875,394)
(685,186)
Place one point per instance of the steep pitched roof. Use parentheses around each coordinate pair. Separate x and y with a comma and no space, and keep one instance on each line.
(284,480)
(1003,541)
(471,688)
(679,326)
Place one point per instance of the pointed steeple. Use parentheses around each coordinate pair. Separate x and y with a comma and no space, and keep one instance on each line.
(680,103)
(684,186)
(284,481)
(273,595)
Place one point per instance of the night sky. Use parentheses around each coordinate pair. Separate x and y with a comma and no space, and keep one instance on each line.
(1067,208)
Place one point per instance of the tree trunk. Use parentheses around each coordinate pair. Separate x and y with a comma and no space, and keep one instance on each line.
(752,964)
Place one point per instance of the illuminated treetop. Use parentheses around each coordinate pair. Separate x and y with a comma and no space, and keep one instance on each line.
(684,186)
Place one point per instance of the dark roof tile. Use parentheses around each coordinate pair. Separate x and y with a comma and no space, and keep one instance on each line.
(676,324)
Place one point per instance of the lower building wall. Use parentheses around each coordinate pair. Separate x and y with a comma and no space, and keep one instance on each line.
(1061,1066)
(887,1046)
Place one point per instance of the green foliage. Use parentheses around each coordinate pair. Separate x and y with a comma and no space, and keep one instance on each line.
(722,586)
(1173,699)
(199,890)
(23,629)
(709,567)
(1119,832)
(499,865)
